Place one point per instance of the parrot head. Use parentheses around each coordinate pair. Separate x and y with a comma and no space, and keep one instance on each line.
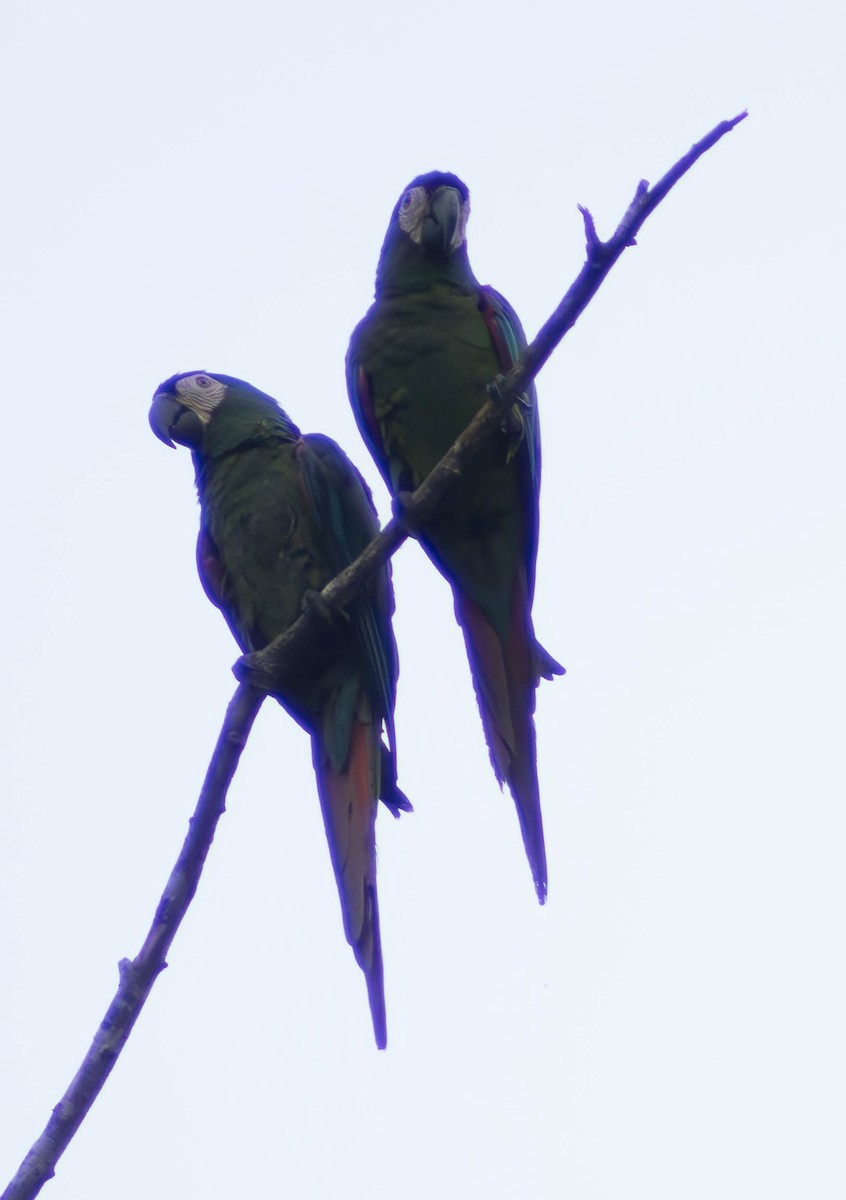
(433,212)
(427,230)
(184,406)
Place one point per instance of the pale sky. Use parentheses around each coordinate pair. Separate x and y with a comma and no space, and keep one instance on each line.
(207,186)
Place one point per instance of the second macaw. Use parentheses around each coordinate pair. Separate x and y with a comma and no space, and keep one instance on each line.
(281,514)
(417,370)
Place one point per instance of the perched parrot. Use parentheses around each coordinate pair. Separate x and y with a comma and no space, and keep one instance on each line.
(281,514)
(417,370)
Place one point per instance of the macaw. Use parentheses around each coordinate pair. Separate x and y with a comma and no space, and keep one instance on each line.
(418,367)
(281,513)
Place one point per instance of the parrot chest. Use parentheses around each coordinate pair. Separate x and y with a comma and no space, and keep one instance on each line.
(269,550)
(429,361)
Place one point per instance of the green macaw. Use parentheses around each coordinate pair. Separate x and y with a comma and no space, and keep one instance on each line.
(417,370)
(281,514)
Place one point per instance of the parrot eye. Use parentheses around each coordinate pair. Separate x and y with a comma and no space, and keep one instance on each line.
(411,210)
(200,392)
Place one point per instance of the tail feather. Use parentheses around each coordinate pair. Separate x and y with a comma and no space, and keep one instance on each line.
(505,678)
(487,667)
(520,666)
(348,802)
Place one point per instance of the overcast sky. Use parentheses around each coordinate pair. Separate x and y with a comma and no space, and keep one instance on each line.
(207,186)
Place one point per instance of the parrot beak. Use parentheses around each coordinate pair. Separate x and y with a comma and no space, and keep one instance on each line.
(172,422)
(164,413)
(441,221)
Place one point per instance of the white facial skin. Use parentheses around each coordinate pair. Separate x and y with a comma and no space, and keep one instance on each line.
(412,213)
(201,393)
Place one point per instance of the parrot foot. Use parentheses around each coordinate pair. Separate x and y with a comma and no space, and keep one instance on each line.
(512,424)
(400,509)
(394,800)
(546,666)
(495,391)
(315,602)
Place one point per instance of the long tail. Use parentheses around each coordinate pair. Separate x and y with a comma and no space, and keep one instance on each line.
(505,677)
(348,801)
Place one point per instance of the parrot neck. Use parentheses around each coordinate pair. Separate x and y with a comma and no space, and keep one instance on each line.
(234,429)
(406,267)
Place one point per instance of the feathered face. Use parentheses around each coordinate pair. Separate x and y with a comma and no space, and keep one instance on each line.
(433,212)
(183,405)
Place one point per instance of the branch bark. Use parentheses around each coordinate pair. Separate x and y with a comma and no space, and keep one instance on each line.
(258,673)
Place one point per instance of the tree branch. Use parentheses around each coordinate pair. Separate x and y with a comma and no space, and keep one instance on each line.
(260,672)
(138,976)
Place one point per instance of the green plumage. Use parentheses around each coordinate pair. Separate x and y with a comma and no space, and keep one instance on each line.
(427,389)
(418,367)
(281,515)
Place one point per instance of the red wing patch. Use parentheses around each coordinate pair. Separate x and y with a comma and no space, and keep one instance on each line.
(210,569)
(493,322)
(365,407)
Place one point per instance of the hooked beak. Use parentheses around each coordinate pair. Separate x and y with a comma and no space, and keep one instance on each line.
(172,422)
(441,221)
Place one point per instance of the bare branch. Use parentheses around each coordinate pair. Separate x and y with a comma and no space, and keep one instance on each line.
(260,673)
(601,256)
(138,975)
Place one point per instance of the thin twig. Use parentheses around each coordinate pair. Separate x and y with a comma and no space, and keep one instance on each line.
(138,976)
(259,671)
